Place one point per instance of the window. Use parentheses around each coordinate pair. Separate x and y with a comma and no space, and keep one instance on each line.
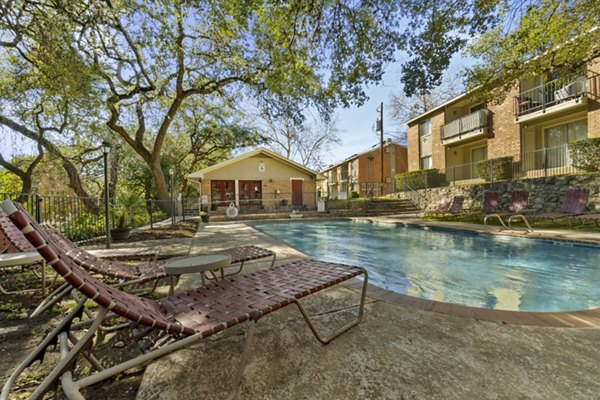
(426,162)
(425,127)
(566,133)
(557,137)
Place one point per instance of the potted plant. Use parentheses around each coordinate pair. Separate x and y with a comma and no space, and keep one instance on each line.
(204,216)
(124,211)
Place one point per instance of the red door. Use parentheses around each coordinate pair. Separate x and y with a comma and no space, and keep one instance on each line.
(250,193)
(222,192)
(296,192)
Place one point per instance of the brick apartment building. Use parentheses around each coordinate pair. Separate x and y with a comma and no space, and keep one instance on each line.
(361,173)
(533,125)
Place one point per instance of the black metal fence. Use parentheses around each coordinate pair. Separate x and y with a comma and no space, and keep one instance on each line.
(78,218)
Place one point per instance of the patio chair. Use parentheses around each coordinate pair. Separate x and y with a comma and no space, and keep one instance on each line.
(455,207)
(128,275)
(516,210)
(15,250)
(574,204)
(174,322)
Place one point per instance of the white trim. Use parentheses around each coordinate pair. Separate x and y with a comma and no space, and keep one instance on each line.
(199,175)
(296,179)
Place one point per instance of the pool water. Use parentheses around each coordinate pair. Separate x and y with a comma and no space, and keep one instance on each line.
(479,270)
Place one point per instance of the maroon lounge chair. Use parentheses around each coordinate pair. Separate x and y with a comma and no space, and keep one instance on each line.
(174,322)
(574,204)
(454,208)
(15,250)
(516,210)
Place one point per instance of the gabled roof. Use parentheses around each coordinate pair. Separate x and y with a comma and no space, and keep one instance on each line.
(199,175)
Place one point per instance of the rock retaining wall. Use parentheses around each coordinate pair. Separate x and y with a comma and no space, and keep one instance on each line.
(545,194)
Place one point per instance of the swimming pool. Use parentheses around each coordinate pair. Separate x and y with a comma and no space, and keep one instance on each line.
(479,270)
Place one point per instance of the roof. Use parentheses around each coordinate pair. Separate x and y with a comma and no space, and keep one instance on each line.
(354,156)
(428,112)
(199,175)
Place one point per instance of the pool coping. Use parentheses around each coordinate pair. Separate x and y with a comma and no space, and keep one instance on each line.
(564,319)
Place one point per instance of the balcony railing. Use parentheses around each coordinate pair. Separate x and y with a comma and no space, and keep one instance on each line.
(555,92)
(469,123)
(552,161)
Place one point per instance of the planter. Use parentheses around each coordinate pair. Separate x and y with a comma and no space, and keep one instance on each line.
(205,218)
(120,233)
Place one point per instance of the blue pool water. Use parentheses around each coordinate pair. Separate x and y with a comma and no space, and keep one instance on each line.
(478,270)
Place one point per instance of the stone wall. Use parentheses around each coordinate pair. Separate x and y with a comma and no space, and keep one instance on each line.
(545,194)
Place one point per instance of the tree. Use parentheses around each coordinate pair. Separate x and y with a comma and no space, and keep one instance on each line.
(154,57)
(24,173)
(404,108)
(436,31)
(536,38)
(297,134)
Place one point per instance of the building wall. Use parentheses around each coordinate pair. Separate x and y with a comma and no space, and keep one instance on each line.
(412,139)
(277,176)
(438,151)
(504,137)
(594,103)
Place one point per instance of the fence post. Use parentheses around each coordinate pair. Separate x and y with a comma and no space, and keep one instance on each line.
(454,175)
(151,210)
(183,208)
(38,208)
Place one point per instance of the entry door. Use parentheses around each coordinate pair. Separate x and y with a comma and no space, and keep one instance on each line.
(477,154)
(250,193)
(296,192)
(222,192)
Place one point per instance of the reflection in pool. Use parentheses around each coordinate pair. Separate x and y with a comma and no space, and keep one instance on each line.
(490,271)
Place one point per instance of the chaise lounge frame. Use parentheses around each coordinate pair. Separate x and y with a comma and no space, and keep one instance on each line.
(177,321)
(131,275)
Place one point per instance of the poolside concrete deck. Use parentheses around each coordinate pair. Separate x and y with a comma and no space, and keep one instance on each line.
(396,352)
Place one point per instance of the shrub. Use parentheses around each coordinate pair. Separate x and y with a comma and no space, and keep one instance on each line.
(495,169)
(420,179)
(585,154)
(355,195)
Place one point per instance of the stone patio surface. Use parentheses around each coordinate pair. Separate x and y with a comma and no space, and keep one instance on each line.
(395,353)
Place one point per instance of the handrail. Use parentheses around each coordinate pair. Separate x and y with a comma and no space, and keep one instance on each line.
(412,195)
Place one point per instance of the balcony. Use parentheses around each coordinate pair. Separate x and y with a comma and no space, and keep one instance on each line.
(467,127)
(555,96)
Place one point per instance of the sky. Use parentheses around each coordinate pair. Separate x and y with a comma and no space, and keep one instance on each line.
(356,125)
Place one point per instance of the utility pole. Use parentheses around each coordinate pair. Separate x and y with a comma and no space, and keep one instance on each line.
(380,129)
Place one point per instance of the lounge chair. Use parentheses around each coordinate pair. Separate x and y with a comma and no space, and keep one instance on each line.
(516,210)
(455,207)
(128,275)
(174,322)
(15,250)
(574,204)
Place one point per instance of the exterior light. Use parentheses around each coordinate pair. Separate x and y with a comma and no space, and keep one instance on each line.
(106,147)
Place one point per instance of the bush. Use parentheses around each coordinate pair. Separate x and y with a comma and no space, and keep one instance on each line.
(354,195)
(420,179)
(501,168)
(585,154)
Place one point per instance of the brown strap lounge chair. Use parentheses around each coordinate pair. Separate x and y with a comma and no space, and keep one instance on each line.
(174,322)
(574,204)
(15,250)
(129,275)
(516,210)
(454,208)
